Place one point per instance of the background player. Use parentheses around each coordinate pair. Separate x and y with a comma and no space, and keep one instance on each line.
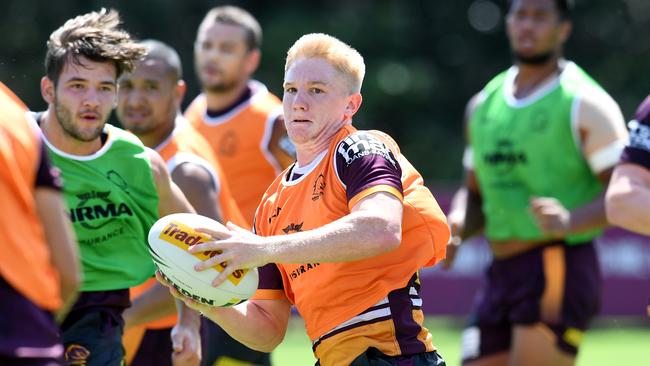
(628,194)
(149,101)
(42,277)
(543,138)
(238,116)
(348,227)
(114,187)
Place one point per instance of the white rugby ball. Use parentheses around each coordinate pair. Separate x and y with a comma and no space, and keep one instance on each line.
(171,236)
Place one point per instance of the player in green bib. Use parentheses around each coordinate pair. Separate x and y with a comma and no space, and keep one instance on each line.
(115,188)
(543,138)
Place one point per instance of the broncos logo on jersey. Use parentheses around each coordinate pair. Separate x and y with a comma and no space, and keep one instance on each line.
(359,145)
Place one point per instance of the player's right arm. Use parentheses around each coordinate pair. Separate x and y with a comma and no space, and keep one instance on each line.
(259,324)
(59,234)
(465,216)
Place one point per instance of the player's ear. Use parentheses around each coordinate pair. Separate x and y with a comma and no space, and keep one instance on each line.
(179,92)
(565,30)
(353,104)
(47,89)
(252,60)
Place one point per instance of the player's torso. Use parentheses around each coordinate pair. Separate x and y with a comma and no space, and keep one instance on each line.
(112,201)
(239,141)
(528,148)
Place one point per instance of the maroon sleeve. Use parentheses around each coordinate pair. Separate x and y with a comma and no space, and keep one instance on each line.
(364,161)
(638,149)
(47,176)
(270,277)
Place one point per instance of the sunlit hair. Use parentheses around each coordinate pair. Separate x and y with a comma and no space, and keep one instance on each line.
(160,51)
(344,58)
(95,36)
(233,15)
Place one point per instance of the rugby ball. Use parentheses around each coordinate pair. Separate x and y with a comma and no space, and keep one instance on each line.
(171,236)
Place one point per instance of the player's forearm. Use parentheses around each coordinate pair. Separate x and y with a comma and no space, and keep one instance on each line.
(60,238)
(466,215)
(154,304)
(628,208)
(250,324)
(356,236)
(187,317)
(588,217)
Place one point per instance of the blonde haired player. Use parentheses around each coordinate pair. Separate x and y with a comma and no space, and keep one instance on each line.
(341,234)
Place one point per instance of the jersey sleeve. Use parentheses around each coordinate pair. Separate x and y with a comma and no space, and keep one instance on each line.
(270,286)
(638,149)
(365,165)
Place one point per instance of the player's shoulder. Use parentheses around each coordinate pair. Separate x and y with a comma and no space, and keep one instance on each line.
(361,143)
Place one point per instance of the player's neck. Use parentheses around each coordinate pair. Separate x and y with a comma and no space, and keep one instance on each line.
(530,77)
(156,137)
(307,151)
(56,136)
(217,101)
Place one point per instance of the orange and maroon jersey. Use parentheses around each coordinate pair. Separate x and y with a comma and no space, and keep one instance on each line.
(240,141)
(373,302)
(24,254)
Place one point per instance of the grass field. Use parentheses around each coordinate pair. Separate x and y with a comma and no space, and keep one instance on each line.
(611,342)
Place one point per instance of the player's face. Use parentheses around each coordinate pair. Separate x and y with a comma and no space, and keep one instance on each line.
(147,98)
(317,100)
(84,97)
(535,29)
(221,56)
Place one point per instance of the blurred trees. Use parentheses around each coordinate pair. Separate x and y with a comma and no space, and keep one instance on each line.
(424,58)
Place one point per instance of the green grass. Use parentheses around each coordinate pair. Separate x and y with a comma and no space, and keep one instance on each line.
(611,342)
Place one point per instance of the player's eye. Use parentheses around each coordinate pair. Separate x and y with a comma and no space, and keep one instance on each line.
(317,90)
(290,90)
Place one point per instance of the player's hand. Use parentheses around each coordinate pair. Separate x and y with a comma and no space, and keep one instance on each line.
(455,221)
(194,305)
(552,217)
(239,249)
(452,249)
(186,343)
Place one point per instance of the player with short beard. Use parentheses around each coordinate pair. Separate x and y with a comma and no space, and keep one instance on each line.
(115,188)
(543,138)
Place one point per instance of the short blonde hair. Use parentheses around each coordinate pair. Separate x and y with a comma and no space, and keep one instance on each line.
(344,58)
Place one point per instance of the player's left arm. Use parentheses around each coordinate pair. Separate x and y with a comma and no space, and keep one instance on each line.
(280,146)
(602,136)
(186,338)
(628,198)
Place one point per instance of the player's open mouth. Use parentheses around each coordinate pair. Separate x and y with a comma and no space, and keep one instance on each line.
(90,116)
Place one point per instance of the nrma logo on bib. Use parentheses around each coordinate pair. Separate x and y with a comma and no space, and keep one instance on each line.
(95,210)
(505,157)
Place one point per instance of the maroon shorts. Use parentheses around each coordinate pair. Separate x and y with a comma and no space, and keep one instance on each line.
(558,285)
(28,334)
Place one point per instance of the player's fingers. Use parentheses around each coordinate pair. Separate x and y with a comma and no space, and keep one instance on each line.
(237,228)
(217,260)
(208,246)
(161,279)
(223,276)
(216,234)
